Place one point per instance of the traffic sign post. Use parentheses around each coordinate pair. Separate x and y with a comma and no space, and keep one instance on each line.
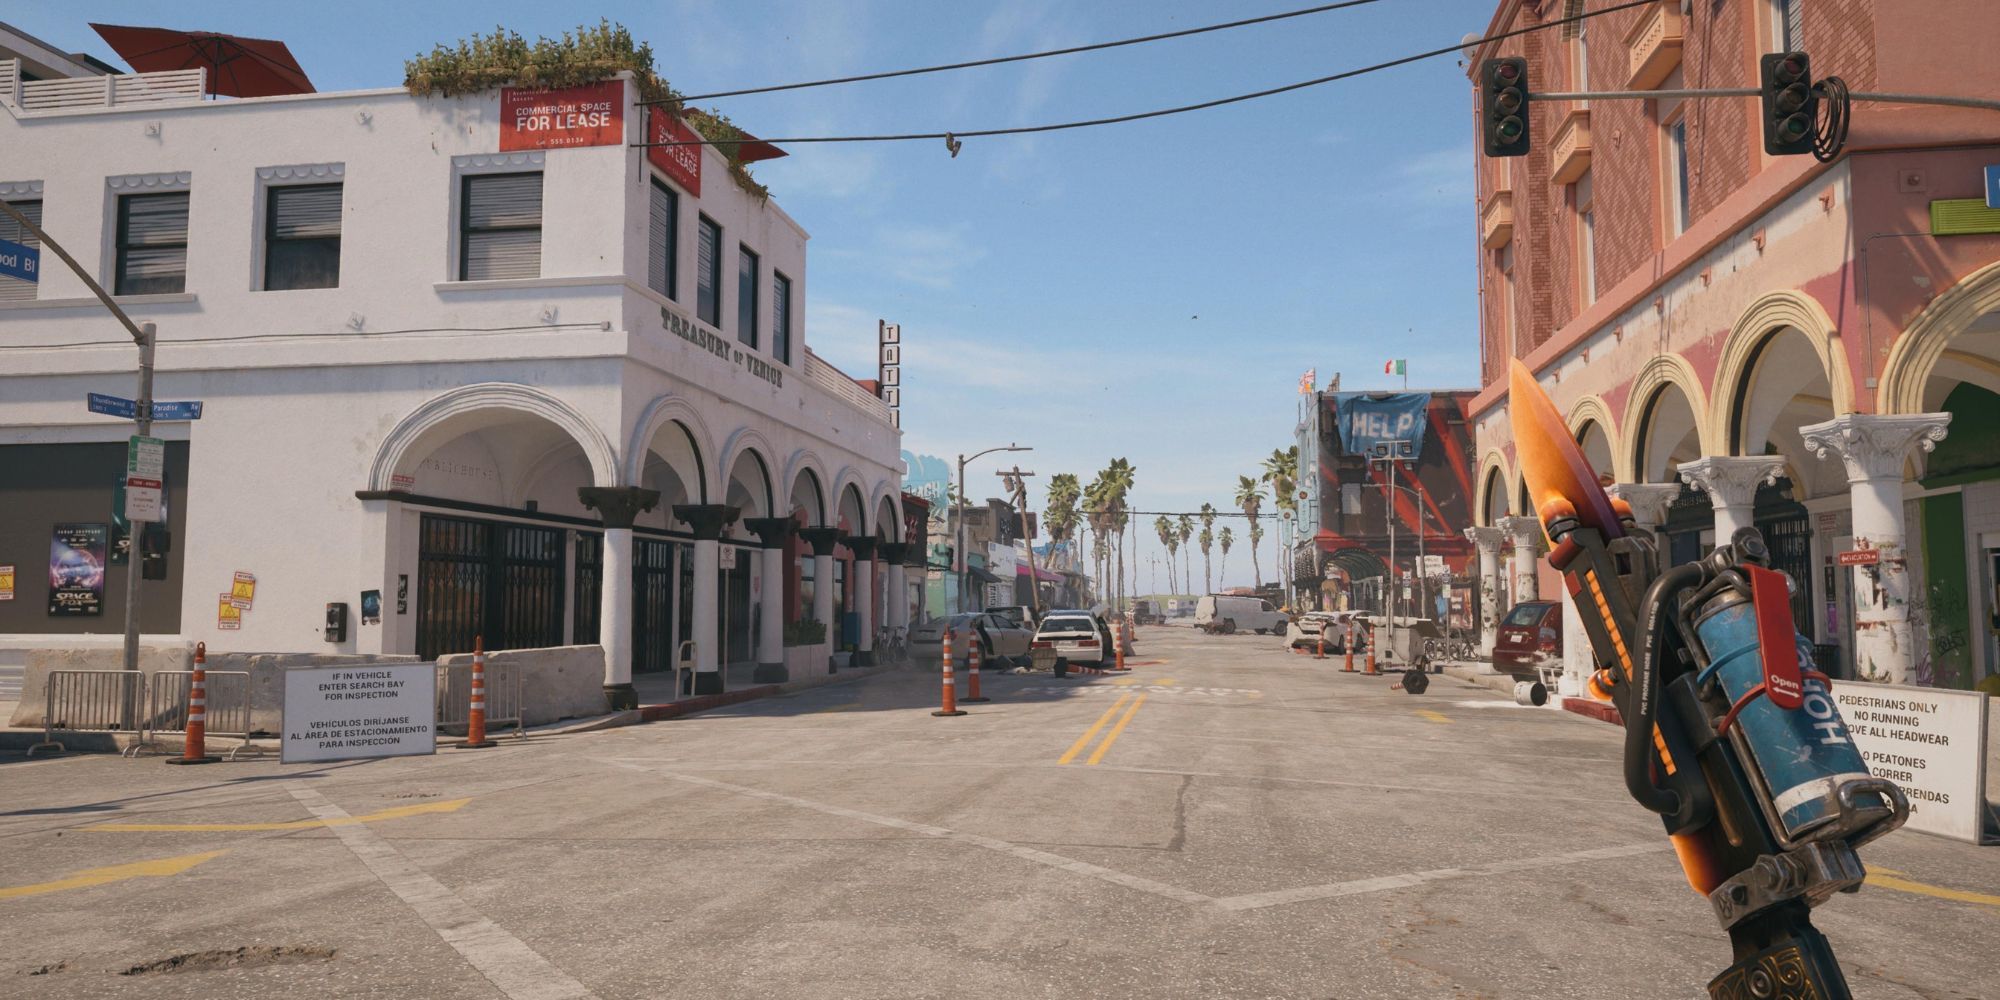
(145,476)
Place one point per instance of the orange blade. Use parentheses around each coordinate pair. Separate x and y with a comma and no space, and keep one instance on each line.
(1551,461)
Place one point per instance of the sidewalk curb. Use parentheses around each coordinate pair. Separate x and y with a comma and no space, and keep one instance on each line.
(1593,709)
(1482,676)
(689,706)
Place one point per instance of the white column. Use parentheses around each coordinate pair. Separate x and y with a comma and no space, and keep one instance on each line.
(864,607)
(1731,484)
(899,596)
(1488,540)
(614,615)
(823,596)
(1649,501)
(707,616)
(1527,536)
(771,628)
(1874,449)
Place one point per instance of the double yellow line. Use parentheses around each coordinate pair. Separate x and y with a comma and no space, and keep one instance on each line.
(1126,701)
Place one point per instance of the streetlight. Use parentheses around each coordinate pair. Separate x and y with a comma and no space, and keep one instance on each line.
(964,562)
(1390,453)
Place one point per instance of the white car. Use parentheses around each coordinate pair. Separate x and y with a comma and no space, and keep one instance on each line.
(999,639)
(1226,614)
(1075,637)
(1307,629)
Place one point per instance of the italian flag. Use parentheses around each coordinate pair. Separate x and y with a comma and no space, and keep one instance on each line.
(1400,366)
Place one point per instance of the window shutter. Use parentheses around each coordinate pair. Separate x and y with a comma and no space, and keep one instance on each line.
(306,213)
(708,275)
(14,289)
(781,318)
(152,244)
(662,218)
(1794,24)
(503,227)
(746,296)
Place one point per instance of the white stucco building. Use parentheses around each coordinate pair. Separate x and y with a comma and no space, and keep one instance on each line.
(415,343)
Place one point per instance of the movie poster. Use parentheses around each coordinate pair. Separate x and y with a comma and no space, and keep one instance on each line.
(76,569)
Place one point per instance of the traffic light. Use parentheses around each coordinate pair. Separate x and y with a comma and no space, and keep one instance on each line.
(1503,84)
(1789,103)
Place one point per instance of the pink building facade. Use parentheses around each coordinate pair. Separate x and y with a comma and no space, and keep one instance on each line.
(1741,340)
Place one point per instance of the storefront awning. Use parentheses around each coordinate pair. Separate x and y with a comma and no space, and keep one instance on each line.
(982,576)
(1043,575)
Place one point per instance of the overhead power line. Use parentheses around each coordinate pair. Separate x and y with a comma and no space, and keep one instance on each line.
(954,137)
(1023,57)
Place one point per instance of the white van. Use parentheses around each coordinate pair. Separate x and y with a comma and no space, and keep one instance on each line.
(1225,614)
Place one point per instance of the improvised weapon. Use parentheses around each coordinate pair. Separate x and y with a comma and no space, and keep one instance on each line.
(1730,736)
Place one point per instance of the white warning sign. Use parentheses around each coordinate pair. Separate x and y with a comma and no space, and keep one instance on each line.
(349,713)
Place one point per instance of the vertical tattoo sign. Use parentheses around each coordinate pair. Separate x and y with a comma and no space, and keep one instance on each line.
(889,370)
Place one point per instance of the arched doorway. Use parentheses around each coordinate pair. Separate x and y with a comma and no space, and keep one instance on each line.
(1667,434)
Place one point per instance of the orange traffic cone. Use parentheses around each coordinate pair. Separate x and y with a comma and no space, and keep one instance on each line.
(195,749)
(950,706)
(475,724)
(1371,671)
(1348,646)
(972,682)
(1118,661)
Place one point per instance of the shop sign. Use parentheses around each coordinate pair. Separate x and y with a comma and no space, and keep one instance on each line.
(590,115)
(6,583)
(351,713)
(1931,743)
(76,569)
(1859,557)
(681,164)
(720,346)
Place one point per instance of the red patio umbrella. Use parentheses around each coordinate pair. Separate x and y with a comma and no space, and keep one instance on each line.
(237,67)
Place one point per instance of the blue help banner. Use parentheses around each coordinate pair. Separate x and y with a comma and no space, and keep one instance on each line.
(1371,420)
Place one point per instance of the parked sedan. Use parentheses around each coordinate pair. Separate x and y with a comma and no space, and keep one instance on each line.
(1530,635)
(1307,628)
(1076,637)
(999,638)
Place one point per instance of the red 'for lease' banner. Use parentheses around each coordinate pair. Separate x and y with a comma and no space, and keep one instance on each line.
(590,115)
(681,164)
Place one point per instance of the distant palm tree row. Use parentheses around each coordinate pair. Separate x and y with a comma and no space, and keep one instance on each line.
(1103,508)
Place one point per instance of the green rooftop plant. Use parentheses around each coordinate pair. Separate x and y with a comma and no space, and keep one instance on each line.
(588,54)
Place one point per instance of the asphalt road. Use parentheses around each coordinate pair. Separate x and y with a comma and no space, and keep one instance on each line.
(1225,821)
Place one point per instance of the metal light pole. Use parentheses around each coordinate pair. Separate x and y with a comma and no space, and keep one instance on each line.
(1391,452)
(964,559)
(1017,481)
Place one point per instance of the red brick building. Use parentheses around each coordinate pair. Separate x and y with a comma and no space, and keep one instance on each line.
(1740,339)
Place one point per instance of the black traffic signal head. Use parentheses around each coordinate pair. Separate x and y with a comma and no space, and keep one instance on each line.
(1503,87)
(1789,103)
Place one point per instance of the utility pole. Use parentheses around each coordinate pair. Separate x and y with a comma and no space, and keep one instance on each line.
(964,558)
(1016,482)
(145,336)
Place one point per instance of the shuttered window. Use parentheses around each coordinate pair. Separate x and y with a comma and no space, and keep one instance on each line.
(501,232)
(1789,22)
(746,295)
(781,318)
(708,274)
(152,244)
(662,222)
(14,289)
(302,237)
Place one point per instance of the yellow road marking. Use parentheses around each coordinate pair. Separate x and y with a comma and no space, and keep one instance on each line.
(303,824)
(1163,682)
(1088,734)
(1112,736)
(116,873)
(1433,716)
(1126,681)
(1885,877)
(835,708)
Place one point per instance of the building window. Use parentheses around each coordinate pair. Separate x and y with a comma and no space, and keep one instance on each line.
(500,234)
(1586,242)
(1581,54)
(152,244)
(1787,20)
(1503,259)
(14,289)
(746,296)
(1677,177)
(708,273)
(663,219)
(781,318)
(302,237)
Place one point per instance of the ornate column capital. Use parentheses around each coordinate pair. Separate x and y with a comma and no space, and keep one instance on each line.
(1526,532)
(1731,480)
(617,506)
(894,553)
(1874,446)
(1649,501)
(771,532)
(822,540)
(707,520)
(1488,539)
(863,547)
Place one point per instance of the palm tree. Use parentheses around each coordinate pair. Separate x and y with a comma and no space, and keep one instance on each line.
(1250,497)
(1227,540)
(1164,527)
(1207,539)
(1281,470)
(1060,517)
(1118,479)
(1097,499)
(1183,534)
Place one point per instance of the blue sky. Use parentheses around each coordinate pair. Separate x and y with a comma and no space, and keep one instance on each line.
(1150,290)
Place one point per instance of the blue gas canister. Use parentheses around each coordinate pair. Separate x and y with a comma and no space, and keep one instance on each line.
(1804,755)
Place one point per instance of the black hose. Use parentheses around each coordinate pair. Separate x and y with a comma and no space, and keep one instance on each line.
(1835,108)
(1641,709)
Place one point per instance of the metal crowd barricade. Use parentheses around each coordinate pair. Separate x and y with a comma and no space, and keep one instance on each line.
(167,691)
(504,700)
(90,701)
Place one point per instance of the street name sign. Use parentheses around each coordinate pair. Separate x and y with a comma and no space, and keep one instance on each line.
(115,406)
(1929,741)
(145,477)
(18,261)
(1993,187)
(360,712)
(176,409)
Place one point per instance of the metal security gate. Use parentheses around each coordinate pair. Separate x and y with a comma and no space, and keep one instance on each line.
(1790,541)
(656,574)
(589,601)
(487,578)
